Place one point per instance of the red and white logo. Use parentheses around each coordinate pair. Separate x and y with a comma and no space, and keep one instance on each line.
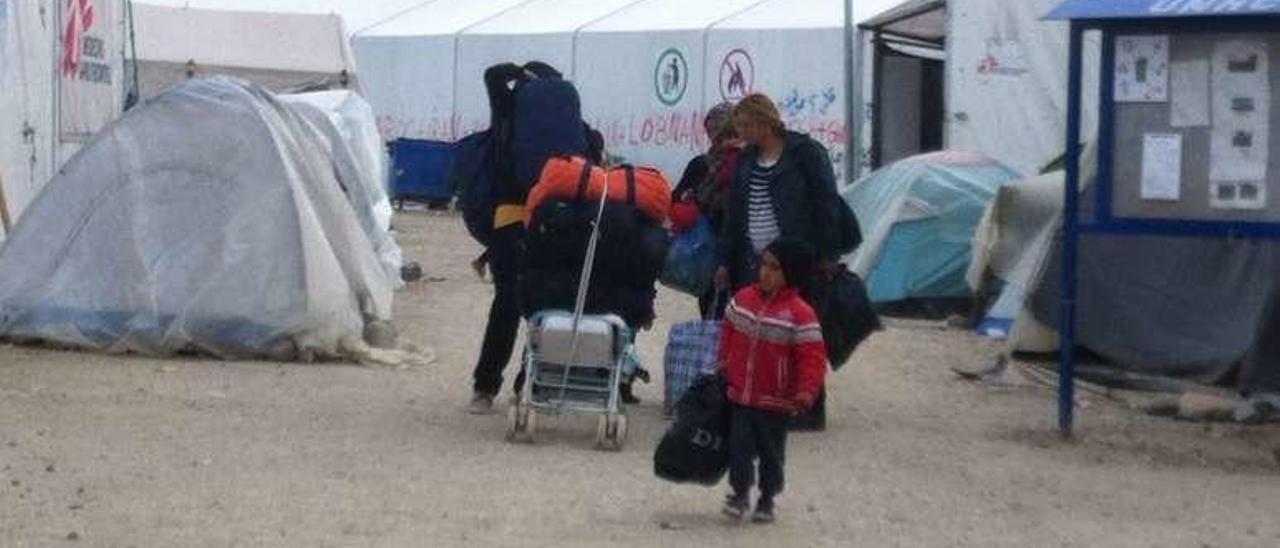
(79,19)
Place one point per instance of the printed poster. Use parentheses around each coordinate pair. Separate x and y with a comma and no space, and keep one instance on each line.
(86,73)
(1142,69)
(1239,141)
(1162,166)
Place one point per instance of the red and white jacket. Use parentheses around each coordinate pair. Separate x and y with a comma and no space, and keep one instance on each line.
(771,351)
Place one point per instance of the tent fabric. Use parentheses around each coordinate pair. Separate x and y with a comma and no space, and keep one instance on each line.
(208,219)
(351,133)
(1194,308)
(919,217)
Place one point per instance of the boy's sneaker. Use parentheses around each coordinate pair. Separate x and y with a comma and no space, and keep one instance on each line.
(735,506)
(764,511)
(481,404)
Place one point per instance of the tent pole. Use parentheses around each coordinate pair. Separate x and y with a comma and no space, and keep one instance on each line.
(4,209)
(1070,228)
(850,93)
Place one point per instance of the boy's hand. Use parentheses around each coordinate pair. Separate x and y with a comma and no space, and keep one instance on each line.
(804,402)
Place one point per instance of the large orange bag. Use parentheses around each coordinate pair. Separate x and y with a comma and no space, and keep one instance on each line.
(573,177)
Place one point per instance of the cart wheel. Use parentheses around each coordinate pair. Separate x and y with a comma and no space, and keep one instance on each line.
(513,423)
(602,432)
(519,424)
(530,424)
(619,432)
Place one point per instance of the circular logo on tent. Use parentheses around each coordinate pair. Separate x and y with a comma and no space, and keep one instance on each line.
(737,75)
(671,77)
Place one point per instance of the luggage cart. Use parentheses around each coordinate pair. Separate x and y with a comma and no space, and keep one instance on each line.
(574,363)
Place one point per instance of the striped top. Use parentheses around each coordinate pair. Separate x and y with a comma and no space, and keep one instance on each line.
(762,220)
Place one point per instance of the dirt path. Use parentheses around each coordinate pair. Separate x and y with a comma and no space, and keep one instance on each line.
(147,453)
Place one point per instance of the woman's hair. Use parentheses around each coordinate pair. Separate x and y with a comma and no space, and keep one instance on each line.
(759,108)
(719,123)
(799,263)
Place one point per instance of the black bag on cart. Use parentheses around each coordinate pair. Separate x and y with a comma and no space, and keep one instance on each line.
(696,448)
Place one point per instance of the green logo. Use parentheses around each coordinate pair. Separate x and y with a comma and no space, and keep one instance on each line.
(671,77)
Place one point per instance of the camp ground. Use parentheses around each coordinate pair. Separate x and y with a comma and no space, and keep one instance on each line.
(248,265)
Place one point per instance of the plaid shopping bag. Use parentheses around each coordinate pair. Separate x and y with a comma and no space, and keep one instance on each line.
(691,352)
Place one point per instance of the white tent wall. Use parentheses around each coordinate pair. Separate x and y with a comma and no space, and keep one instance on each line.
(649,111)
(539,30)
(280,51)
(47,113)
(791,50)
(407,66)
(1007,82)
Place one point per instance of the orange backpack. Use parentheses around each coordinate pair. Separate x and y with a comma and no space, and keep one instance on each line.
(573,177)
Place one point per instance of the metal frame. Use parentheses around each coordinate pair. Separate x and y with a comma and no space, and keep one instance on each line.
(1106,222)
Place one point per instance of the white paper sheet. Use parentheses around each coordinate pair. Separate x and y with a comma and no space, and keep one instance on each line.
(1142,69)
(1189,93)
(1162,166)
(1239,142)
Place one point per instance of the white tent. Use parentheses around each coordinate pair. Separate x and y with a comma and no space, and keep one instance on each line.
(1003,79)
(209,218)
(54,98)
(407,66)
(793,51)
(642,76)
(280,51)
(539,30)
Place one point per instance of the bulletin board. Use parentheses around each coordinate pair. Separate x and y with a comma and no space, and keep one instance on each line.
(1194,129)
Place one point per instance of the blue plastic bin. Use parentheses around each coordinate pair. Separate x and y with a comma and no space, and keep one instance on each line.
(420,170)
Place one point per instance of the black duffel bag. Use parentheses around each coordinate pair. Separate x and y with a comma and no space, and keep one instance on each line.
(846,314)
(696,448)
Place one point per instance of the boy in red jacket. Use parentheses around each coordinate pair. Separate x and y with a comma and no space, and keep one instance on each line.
(772,353)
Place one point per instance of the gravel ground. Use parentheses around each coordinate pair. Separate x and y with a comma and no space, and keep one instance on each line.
(134,452)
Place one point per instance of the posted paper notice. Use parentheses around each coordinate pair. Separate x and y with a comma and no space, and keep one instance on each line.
(1162,166)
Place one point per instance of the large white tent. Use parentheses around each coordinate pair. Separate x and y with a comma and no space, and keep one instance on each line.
(63,78)
(793,51)
(1003,79)
(539,30)
(280,51)
(407,66)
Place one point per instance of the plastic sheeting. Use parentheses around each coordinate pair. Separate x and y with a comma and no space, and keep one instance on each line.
(919,217)
(347,123)
(1188,307)
(209,219)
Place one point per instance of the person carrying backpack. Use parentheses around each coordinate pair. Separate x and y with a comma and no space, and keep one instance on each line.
(772,355)
(515,156)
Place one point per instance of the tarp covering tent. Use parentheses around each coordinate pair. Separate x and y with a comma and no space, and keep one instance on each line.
(54,98)
(209,218)
(1004,76)
(541,30)
(919,217)
(1196,308)
(642,77)
(347,123)
(284,52)
(760,49)
(407,66)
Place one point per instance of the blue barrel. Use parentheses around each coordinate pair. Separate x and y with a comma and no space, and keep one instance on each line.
(420,170)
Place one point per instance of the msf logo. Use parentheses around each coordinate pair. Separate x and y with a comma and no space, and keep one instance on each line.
(79,19)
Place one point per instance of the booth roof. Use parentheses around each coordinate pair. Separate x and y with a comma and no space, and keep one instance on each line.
(1153,9)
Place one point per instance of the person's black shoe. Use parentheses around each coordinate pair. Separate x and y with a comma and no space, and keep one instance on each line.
(642,374)
(735,506)
(624,392)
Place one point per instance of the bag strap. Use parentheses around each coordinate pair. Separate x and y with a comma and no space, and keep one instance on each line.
(584,180)
(631,184)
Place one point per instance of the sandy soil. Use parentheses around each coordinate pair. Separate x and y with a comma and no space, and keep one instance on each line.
(132,452)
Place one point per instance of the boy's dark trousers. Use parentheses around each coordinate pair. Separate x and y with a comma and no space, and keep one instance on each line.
(756,433)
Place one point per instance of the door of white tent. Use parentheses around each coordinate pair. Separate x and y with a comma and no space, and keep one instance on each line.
(63,78)
(407,66)
(539,30)
(641,73)
(791,50)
